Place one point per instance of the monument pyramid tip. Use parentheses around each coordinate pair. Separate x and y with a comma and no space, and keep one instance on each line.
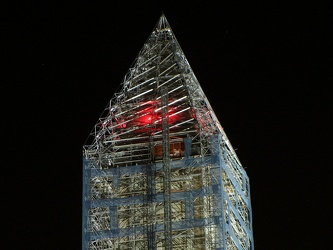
(163,22)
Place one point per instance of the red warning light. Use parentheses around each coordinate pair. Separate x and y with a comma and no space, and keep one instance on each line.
(147,119)
(150,116)
(144,120)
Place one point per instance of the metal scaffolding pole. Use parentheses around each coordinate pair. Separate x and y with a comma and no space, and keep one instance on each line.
(166,169)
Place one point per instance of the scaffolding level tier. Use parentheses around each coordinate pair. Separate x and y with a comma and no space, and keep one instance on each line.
(158,169)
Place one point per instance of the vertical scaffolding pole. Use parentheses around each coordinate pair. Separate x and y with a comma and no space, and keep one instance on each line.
(151,226)
(85,204)
(166,169)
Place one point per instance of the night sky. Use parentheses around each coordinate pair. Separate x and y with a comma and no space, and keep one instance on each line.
(266,70)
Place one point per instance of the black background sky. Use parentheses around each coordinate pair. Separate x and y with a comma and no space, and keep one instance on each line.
(266,69)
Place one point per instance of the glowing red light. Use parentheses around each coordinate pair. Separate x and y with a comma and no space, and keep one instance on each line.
(145,119)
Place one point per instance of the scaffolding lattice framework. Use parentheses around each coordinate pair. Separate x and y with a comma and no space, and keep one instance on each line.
(158,170)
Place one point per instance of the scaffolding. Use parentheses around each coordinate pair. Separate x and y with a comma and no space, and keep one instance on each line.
(158,170)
